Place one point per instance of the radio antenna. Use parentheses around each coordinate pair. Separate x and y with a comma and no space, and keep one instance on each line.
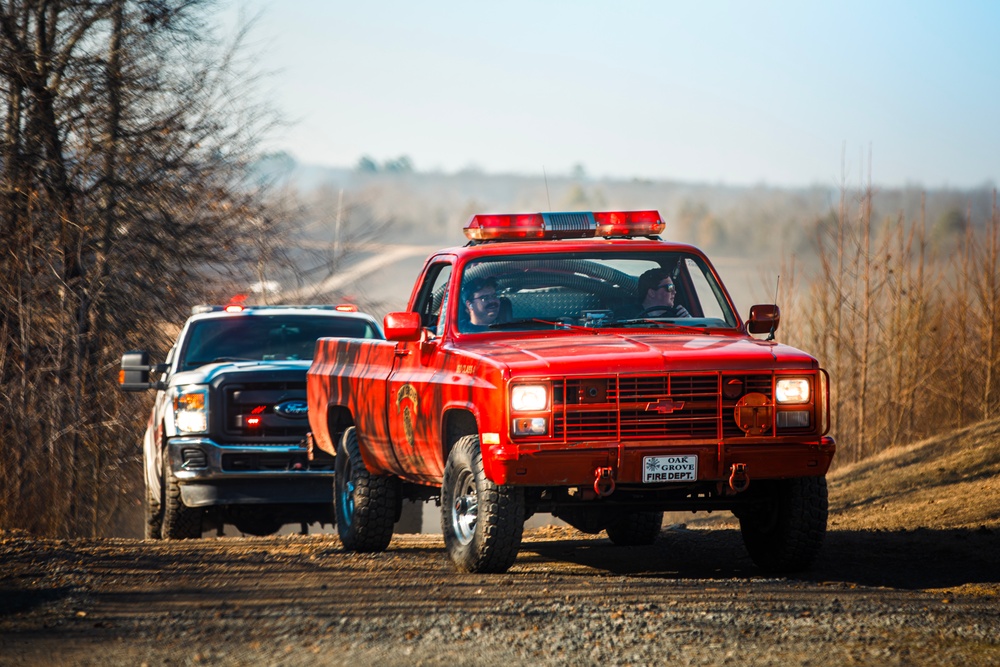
(546,179)
(770,336)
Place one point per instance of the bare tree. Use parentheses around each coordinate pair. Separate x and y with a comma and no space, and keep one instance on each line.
(911,341)
(976,291)
(126,132)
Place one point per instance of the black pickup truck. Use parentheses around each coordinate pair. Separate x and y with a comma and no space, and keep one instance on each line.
(226,438)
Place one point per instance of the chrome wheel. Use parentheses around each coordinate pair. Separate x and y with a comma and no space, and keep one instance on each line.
(465,508)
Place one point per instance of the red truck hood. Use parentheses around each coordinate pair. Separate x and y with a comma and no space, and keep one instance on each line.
(606,353)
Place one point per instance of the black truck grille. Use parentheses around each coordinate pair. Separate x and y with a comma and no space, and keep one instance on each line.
(662,407)
(276,461)
(249,413)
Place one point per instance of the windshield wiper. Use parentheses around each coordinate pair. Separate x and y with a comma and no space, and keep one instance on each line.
(663,323)
(555,324)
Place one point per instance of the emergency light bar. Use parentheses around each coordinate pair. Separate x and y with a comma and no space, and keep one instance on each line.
(578,225)
(236,308)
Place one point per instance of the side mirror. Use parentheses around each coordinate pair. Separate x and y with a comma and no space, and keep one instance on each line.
(764,318)
(402,326)
(134,374)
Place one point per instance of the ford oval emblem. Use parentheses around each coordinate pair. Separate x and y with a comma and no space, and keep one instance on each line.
(296,409)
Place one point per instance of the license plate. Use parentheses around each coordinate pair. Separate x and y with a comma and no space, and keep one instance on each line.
(659,469)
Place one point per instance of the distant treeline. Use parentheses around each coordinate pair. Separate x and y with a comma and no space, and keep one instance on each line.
(764,219)
(904,312)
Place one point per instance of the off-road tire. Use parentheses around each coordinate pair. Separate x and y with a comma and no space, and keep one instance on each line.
(634,529)
(482,522)
(785,532)
(180,522)
(365,504)
(153,517)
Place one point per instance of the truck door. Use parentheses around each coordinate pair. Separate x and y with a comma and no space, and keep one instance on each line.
(414,398)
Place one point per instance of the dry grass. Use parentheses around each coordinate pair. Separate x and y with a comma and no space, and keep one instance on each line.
(948,481)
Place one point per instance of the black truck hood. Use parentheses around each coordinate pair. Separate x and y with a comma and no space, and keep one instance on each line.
(240,370)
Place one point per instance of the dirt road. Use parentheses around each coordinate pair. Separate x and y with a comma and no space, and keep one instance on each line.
(909,575)
(694,598)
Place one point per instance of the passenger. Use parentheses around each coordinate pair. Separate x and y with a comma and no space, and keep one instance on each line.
(657,293)
(481,306)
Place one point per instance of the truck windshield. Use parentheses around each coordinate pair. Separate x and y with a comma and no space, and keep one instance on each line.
(256,337)
(600,289)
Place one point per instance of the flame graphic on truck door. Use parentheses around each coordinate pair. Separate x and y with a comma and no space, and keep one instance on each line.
(407,403)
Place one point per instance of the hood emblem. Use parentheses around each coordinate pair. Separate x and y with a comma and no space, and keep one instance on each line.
(665,406)
(296,409)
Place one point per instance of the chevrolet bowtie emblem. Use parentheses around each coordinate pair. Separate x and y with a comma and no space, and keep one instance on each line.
(665,406)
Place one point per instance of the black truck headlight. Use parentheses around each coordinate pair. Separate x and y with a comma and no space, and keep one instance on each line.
(191,409)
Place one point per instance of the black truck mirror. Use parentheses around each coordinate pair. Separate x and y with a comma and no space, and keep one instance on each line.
(134,374)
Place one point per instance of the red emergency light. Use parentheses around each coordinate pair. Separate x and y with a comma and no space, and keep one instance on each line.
(629,223)
(531,226)
(505,227)
(254,419)
(235,304)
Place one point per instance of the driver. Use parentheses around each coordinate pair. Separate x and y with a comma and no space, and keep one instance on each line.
(481,306)
(657,291)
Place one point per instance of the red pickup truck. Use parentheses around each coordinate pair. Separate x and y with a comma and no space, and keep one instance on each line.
(576,364)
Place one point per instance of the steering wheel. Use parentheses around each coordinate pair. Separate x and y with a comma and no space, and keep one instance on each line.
(652,309)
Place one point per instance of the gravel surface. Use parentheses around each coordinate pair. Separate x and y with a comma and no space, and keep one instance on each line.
(909,575)
(875,597)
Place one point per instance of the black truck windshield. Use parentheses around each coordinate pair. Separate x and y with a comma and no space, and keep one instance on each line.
(266,337)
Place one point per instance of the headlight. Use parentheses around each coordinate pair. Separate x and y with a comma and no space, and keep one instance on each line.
(191,409)
(792,390)
(529,398)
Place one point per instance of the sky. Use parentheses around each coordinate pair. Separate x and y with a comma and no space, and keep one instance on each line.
(760,92)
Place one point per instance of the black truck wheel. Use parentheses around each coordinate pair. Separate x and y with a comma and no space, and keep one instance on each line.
(482,522)
(633,529)
(365,504)
(180,522)
(785,531)
(154,517)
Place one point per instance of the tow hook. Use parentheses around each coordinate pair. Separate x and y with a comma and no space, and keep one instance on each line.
(604,483)
(739,480)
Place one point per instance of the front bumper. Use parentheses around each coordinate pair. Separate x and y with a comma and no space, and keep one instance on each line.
(210,473)
(578,465)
